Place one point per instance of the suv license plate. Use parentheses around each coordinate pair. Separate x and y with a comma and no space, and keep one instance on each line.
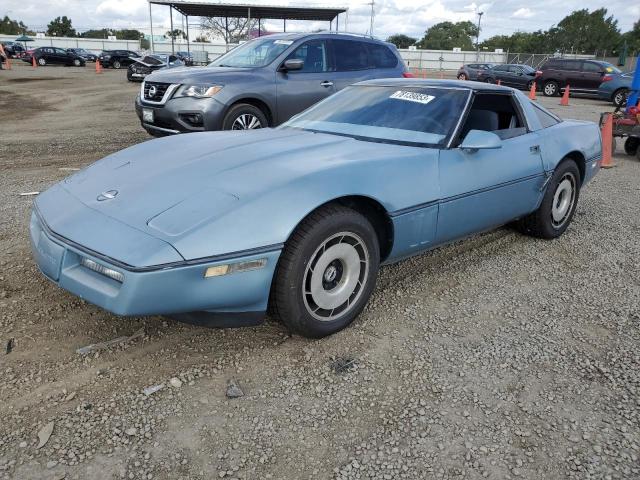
(147,115)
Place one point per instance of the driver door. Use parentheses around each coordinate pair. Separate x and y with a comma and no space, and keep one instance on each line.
(298,90)
(483,189)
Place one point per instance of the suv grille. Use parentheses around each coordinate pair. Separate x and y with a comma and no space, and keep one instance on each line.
(154,91)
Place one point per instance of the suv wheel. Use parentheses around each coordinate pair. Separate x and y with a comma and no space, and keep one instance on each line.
(551,89)
(116,64)
(244,117)
(620,97)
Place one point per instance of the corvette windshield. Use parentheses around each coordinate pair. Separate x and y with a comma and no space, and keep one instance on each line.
(398,114)
(256,53)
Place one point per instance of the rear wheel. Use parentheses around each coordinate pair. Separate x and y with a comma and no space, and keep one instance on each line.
(490,80)
(326,273)
(619,97)
(551,89)
(631,145)
(116,64)
(558,204)
(244,117)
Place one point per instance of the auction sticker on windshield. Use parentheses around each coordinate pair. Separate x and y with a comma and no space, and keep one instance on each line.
(283,42)
(412,96)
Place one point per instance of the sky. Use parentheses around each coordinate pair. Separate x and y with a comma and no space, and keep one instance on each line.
(410,17)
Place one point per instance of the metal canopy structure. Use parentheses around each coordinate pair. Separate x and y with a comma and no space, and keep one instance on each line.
(243,10)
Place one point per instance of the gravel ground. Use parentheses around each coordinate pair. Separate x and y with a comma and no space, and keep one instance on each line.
(501,356)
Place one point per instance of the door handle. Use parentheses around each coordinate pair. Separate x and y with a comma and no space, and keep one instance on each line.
(535,149)
(327,83)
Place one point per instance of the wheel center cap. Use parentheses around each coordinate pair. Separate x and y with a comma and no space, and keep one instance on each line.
(330,273)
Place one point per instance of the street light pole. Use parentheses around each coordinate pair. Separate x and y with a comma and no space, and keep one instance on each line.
(478,37)
(373,12)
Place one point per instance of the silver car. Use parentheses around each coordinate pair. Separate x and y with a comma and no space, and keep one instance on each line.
(263,82)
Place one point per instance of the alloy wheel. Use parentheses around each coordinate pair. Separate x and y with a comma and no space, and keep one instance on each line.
(563,200)
(336,276)
(246,121)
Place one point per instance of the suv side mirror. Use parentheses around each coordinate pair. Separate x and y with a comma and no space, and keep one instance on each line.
(480,140)
(292,64)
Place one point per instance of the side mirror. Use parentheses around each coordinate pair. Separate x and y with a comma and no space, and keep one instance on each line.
(293,64)
(480,140)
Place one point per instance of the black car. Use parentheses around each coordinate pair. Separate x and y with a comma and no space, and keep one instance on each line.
(117,58)
(510,75)
(57,56)
(582,76)
(142,67)
(81,52)
(13,49)
(186,57)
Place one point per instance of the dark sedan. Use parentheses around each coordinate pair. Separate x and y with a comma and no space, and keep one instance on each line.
(57,56)
(144,66)
(81,52)
(117,58)
(510,75)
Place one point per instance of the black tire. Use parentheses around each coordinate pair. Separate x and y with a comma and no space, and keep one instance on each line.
(631,145)
(116,64)
(551,88)
(243,113)
(41,61)
(311,246)
(541,223)
(462,76)
(490,80)
(76,62)
(619,97)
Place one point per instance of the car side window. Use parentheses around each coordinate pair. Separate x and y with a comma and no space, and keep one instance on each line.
(314,55)
(60,51)
(495,113)
(350,55)
(501,68)
(546,119)
(515,69)
(380,56)
(591,67)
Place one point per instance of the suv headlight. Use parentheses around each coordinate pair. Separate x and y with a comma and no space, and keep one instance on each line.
(198,91)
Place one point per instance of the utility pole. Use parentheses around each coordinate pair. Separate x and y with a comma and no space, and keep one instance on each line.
(373,12)
(478,37)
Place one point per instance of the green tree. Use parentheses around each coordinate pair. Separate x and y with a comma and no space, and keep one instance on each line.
(102,33)
(129,34)
(61,27)
(12,27)
(175,34)
(632,37)
(448,35)
(587,32)
(202,39)
(402,41)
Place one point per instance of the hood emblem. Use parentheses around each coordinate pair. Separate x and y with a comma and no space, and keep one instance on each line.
(152,91)
(108,195)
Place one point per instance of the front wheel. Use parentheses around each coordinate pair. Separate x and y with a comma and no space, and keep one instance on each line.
(116,64)
(551,89)
(76,62)
(558,204)
(42,62)
(490,80)
(326,273)
(244,117)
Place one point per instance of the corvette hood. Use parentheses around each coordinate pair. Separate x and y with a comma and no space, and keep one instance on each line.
(196,176)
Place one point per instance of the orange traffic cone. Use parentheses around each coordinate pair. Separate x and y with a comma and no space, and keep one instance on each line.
(565,97)
(98,66)
(33,62)
(7,63)
(532,92)
(606,132)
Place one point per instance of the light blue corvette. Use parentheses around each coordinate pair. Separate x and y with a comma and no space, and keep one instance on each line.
(216,228)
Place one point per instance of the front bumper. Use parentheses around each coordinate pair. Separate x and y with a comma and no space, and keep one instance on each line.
(177,290)
(171,117)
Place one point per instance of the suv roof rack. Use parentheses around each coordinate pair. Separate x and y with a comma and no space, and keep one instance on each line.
(353,34)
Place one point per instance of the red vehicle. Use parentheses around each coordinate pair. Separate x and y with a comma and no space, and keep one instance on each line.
(27,55)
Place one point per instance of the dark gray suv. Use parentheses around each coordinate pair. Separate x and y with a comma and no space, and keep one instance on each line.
(263,82)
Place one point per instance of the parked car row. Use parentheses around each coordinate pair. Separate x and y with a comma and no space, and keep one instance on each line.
(593,78)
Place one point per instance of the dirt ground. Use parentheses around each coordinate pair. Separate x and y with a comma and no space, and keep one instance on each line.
(501,356)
